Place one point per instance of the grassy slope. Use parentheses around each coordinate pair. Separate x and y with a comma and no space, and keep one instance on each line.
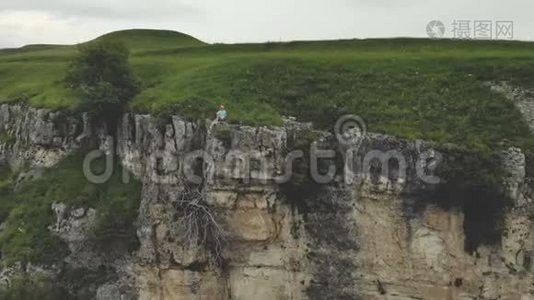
(26,213)
(407,87)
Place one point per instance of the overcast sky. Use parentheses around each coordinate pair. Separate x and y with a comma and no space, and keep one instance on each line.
(232,21)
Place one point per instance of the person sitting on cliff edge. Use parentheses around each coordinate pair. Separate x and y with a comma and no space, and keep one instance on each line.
(221,115)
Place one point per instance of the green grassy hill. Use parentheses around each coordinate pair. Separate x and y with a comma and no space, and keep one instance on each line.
(145,39)
(414,88)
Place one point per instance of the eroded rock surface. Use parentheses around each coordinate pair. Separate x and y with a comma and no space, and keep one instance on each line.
(379,237)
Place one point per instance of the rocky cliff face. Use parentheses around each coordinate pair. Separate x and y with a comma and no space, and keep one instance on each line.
(379,237)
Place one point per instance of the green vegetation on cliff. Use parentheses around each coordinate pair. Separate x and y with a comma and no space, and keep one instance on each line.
(414,88)
(102,79)
(26,212)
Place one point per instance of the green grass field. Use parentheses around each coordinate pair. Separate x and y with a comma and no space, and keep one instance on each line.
(414,88)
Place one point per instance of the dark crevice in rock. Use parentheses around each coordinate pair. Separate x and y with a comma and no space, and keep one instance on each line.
(471,182)
(327,222)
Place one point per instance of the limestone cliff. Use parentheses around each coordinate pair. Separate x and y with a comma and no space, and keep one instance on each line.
(379,237)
